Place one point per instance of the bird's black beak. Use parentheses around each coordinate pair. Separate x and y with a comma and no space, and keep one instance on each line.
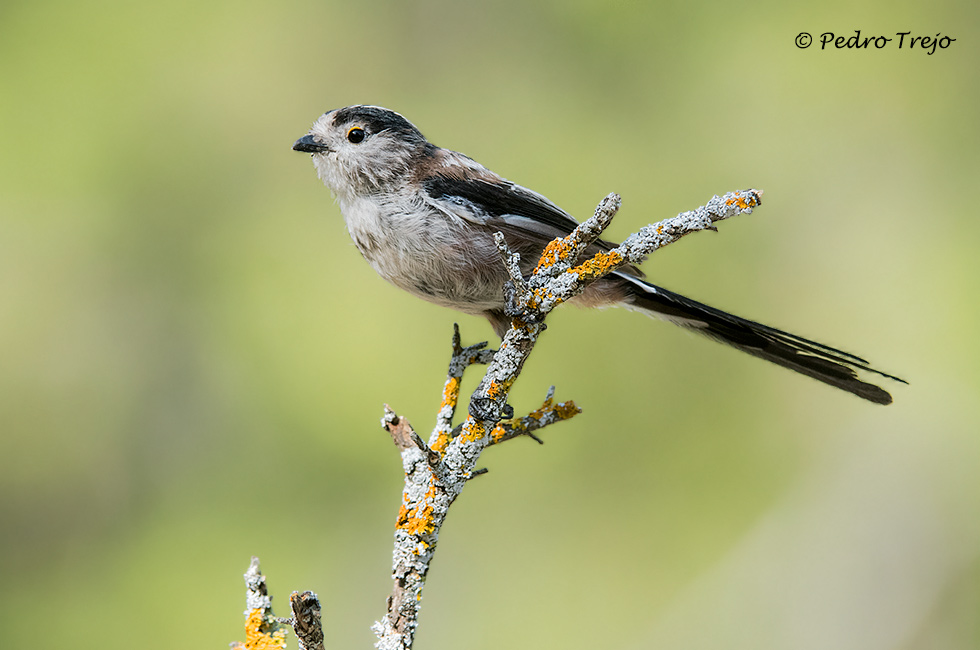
(307,144)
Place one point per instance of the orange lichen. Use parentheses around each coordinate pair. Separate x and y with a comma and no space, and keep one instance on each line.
(499,432)
(442,441)
(450,397)
(557,249)
(561,411)
(450,392)
(402,512)
(498,389)
(418,520)
(261,633)
(474,431)
(566,410)
(493,390)
(598,265)
(742,202)
(535,420)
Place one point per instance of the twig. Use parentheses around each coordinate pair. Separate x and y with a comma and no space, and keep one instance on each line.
(548,413)
(306,620)
(404,435)
(462,359)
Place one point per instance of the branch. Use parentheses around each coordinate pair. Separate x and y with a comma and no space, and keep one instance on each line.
(306,620)
(462,359)
(436,474)
(263,631)
(548,413)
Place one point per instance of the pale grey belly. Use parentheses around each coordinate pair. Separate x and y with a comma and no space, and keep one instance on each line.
(460,270)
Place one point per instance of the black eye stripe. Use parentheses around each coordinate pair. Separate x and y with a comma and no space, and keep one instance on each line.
(374,120)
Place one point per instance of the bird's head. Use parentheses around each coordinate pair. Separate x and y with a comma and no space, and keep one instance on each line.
(363,149)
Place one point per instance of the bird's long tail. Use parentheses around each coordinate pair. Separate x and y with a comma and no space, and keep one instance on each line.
(822,362)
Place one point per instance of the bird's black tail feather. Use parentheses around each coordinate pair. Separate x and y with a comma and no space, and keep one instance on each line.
(822,362)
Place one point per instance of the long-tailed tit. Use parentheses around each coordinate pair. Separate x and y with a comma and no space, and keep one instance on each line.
(424,217)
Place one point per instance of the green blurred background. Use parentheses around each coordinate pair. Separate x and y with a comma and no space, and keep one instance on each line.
(194,358)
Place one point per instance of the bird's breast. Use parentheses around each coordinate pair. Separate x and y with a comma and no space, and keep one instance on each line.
(432,255)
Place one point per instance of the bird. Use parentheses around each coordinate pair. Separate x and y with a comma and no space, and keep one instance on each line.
(424,218)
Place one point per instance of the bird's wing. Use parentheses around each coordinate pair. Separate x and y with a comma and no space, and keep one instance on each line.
(489,200)
(528,220)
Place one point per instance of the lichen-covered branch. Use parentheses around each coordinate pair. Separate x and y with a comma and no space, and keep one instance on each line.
(548,413)
(462,359)
(263,631)
(435,474)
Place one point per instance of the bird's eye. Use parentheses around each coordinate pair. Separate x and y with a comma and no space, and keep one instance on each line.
(355,134)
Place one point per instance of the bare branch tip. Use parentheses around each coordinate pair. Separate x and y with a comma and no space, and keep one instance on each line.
(612,202)
(400,430)
(389,418)
(306,621)
(457,340)
(431,456)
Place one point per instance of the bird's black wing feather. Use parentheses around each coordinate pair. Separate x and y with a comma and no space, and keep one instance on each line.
(500,200)
(528,220)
